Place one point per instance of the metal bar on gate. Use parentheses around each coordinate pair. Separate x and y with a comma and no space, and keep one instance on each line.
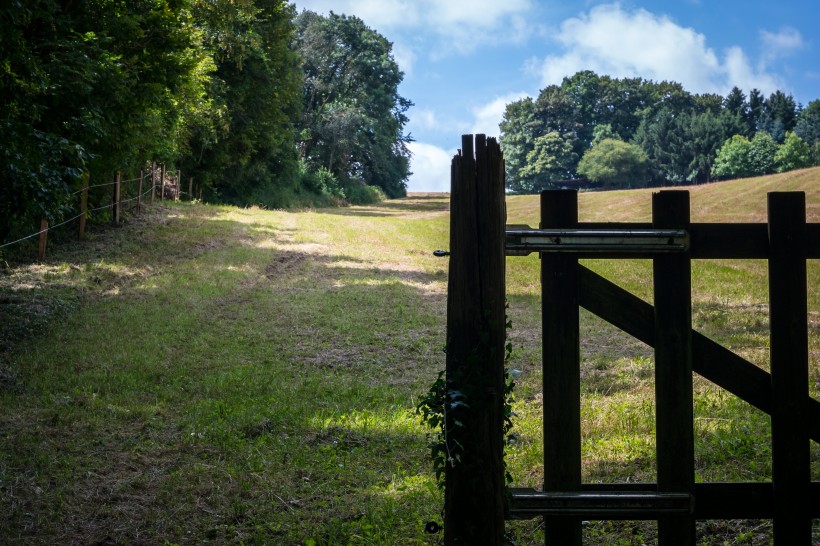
(525,240)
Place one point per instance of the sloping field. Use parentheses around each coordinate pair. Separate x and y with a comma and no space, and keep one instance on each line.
(213,375)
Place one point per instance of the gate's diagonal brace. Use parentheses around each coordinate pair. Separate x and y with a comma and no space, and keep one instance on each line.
(711,360)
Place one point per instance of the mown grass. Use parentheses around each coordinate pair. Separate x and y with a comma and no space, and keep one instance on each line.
(217,375)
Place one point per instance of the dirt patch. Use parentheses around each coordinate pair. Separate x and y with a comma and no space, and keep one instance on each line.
(285,264)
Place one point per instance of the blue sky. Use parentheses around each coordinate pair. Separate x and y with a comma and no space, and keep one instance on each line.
(465,59)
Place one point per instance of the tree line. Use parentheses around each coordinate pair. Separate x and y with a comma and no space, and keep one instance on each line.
(259,103)
(632,132)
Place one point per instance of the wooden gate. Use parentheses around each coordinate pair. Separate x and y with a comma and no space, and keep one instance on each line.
(671,241)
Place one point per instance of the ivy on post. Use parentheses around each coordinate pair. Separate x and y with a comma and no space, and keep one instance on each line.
(474,477)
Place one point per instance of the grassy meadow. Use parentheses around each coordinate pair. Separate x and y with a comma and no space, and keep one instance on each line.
(212,375)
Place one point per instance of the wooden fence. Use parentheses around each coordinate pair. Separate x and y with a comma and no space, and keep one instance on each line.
(162,183)
(478,236)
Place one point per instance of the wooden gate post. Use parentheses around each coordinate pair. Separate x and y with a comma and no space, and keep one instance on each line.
(474,503)
(791,470)
(562,365)
(674,428)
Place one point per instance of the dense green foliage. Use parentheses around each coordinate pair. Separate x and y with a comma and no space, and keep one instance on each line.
(614,162)
(680,133)
(215,88)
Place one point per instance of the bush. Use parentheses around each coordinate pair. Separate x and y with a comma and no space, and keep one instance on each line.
(359,193)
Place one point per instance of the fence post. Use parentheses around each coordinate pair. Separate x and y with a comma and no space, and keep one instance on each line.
(178,195)
(41,247)
(474,504)
(190,188)
(162,183)
(153,181)
(139,193)
(561,364)
(83,207)
(115,209)
(791,471)
(674,421)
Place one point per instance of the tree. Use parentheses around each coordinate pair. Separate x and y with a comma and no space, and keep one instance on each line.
(779,115)
(552,159)
(762,151)
(615,163)
(245,150)
(517,141)
(353,116)
(808,128)
(732,159)
(794,153)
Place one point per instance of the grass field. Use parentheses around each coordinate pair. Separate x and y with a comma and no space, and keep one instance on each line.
(208,374)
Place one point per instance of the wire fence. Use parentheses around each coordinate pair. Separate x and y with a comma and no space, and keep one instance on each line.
(166,183)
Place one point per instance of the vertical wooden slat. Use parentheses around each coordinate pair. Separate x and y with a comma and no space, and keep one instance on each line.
(115,207)
(789,367)
(561,366)
(191,188)
(178,194)
(41,246)
(83,207)
(474,485)
(673,367)
(153,181)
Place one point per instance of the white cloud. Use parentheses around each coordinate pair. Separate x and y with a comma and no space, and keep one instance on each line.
(781,44)
(622,43)
(488,116)
(431,168)
(460,25)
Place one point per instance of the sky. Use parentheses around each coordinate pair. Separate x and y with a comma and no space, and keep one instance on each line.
(464,60)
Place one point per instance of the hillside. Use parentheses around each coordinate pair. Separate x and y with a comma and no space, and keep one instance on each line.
(742,200)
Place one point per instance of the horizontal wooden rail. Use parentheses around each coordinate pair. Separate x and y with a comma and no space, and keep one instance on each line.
(641,501)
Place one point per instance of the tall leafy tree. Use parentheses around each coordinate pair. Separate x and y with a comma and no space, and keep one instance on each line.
(808,128)
(244,148)
(552,159)
(517,140)
(615,163)
(794,153)
(353,116)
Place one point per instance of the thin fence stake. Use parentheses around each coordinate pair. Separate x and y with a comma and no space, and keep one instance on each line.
(83,207)
(190,188)
(41,248)
(139,193)
(162,176)
(116,201)
(153,181)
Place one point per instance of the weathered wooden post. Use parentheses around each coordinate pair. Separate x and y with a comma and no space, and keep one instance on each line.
(162,183)
(139,193)
(674,429)
(791,456)
(153,181)
(562,365)
(83,207)
(474,504)
(115,207)
(41,246)
(190,188)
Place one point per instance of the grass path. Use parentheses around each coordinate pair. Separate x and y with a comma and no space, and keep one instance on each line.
(217,375)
